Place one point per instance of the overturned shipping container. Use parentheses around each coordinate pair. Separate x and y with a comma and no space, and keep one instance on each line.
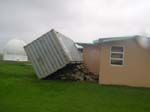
(51,52)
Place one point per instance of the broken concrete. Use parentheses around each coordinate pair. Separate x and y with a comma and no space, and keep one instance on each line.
(74,72)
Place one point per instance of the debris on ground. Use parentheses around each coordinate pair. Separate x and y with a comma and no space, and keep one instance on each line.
(52,52)
(56,56)
(74,72)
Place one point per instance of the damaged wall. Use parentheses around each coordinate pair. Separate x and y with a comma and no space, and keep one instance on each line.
(91,57)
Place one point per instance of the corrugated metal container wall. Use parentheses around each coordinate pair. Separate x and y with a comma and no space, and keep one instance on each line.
(51,52)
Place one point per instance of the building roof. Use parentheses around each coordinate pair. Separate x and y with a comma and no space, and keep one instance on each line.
(141,40)
(105,40)
(15,47)
(79,46)
(85,44)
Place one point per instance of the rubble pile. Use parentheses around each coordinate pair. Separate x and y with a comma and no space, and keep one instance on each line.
(74,72)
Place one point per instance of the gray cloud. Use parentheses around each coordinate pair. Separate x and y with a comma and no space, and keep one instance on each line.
(82,20)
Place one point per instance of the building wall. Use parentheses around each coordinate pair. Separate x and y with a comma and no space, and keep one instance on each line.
(134,72)
(9,57)
(91,57)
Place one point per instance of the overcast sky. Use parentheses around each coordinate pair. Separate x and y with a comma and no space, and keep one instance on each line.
(81,20)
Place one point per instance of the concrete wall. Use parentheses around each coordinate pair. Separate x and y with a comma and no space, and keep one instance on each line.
(136,68)
(91,57)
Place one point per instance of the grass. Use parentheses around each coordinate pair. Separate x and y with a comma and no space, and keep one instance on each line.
(1,56)
(21,91)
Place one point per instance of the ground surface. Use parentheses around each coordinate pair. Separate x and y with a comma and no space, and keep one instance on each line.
(1,56)
(21,91)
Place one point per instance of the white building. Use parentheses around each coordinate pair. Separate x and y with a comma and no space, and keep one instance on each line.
(14,51)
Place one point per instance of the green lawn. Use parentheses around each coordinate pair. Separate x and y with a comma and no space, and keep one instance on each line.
(21,91)
(1,56)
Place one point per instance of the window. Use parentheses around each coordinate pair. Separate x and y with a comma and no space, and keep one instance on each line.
(117,55)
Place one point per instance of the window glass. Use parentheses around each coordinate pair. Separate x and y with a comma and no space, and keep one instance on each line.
(117,62)
(117,49)
(117,55)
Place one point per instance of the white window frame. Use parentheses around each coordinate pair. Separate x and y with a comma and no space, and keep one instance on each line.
(122,59)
